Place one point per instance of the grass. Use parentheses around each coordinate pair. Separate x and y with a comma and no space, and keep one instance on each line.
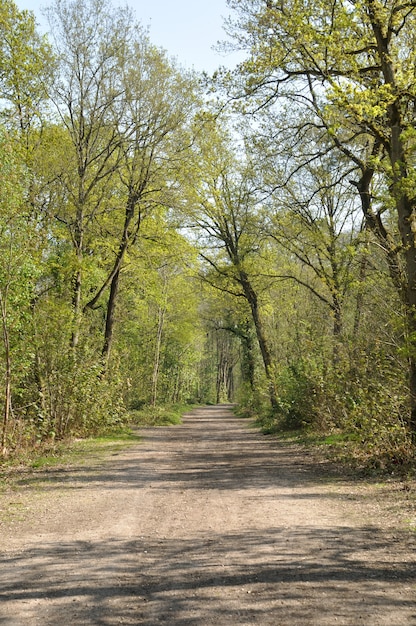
(160,415)
(76,451)
(70,451)
(350,452)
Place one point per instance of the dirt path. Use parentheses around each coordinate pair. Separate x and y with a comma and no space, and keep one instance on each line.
(207,523)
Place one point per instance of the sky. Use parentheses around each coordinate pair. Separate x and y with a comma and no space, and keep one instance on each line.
(186,29)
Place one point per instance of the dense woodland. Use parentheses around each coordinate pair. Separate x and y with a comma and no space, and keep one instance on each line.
(248,237)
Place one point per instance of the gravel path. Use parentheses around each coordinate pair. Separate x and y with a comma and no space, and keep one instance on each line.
(207,523)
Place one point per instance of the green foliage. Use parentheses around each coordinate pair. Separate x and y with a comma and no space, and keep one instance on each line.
(215,266)
(163,415)
(72,451)
(360,415)
(78,399)
(300,392)
(26,62)
(340,80)
(18,273)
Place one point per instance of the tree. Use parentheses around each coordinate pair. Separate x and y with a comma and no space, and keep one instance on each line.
(314,221)
(125,107)
(352,65)
(153,139)
(158,335)
(18,274)
(90,37)
(223,207)
(26,66)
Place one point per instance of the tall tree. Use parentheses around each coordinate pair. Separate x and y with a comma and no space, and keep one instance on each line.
(26,66)
(315,220)
(223,206)
(158,103)
(18,275)
(353,66)
(89,39)
(158,333)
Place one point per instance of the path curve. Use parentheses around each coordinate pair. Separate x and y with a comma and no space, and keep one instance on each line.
(206,523)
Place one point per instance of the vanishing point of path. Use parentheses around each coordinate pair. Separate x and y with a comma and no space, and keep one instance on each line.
(206,523)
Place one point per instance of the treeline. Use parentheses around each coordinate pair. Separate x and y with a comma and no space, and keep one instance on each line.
(98,310)
(318,226)
(162,244)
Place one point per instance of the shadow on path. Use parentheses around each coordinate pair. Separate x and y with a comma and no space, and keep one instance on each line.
(226,579)
(271,560)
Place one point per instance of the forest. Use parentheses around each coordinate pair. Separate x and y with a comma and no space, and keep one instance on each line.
(174,238)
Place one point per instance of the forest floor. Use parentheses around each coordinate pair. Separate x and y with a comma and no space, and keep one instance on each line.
(206,523)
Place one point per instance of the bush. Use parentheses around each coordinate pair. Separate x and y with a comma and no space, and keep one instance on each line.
(363,416)
(300,389)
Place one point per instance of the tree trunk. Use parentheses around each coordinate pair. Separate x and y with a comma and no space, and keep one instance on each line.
(230,382)
(77,284)
(251,298)
(337,329)
(248,365)
(220,376)
(76,307)
(359,301)
(7,377)
(110,318)
(114,276)
(401,163)
(406,211)
(376,226)
(125,241)
(156,363)
(407,219)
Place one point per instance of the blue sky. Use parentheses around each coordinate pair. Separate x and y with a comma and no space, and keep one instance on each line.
(187,29)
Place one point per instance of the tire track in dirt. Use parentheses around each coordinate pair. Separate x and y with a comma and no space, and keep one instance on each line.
(206,523)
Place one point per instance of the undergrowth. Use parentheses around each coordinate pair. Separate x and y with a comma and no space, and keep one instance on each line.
(159,415)
(71,450)
(358,423)
(350,453)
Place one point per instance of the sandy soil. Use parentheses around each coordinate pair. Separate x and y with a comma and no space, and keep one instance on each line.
(207,523)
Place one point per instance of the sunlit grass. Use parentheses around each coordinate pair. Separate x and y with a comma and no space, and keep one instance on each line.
(160,415)
(78,451)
